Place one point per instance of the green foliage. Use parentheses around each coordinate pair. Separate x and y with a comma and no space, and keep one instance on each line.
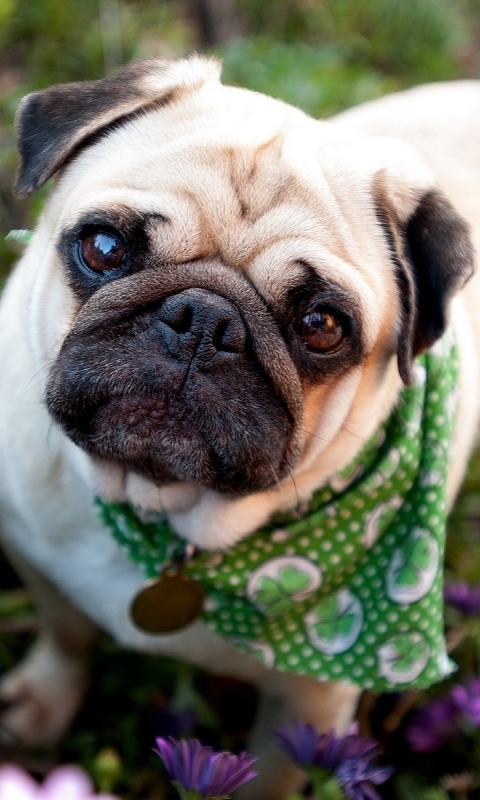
(318,79)
(463,541)
(63,41)
(419,38)
(411,787)
(321,55)
(326,56)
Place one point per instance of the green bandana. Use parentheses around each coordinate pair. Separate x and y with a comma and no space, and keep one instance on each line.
(352,590)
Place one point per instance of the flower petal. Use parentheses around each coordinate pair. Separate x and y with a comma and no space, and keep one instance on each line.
(298,740)
(202,770)
(67,783)
(238,772)
(165,753)
(16,784)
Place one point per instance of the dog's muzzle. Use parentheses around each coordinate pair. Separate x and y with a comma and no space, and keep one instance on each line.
(181,373)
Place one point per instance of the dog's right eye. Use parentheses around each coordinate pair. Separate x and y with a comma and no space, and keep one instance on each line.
(322,330)
(101,251)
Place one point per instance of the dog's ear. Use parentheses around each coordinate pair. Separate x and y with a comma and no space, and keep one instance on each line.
(53,124)
(433,257)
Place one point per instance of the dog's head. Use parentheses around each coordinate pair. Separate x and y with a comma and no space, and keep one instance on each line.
(218,280)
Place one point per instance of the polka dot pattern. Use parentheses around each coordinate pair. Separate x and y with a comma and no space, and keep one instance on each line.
(353,589)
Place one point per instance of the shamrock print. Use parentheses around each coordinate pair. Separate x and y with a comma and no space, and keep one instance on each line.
(335,623)
(260,650)
(275,595)
(413,567)
(379,519)
(403,657)
(278,585)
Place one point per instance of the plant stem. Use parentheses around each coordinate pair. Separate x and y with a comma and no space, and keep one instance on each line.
(325,785)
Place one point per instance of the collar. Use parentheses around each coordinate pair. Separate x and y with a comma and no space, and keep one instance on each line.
(353,589)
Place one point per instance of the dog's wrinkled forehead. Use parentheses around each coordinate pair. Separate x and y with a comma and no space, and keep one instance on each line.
(243,177)
(235,175)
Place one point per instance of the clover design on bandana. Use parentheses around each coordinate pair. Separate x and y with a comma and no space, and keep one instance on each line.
(378,520)
(384,470)
(403,657)
(413,567)
(334,625)
(278,584)
(260,650)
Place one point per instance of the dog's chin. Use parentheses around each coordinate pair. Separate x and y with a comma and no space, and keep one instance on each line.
(154,438)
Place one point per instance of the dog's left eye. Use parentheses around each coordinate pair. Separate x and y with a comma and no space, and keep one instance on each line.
(101,251)
(322,330)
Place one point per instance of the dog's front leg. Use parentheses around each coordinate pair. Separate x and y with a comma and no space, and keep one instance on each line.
(42,694)
(286,697)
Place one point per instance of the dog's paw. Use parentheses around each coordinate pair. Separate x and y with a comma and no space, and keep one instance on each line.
(40,697)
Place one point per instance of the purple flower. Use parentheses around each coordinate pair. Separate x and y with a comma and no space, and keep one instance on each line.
(348,758)
(463,597)
(64,783)
(307,747)
(299,741)
(357,778)
(199,769)
(467,699)
(433,726)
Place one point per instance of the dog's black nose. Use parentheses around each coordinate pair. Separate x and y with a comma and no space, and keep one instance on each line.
(201,320)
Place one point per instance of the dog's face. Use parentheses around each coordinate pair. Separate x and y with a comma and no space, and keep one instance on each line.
(219,283)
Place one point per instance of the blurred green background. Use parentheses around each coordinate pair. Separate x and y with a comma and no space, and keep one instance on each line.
(322,55)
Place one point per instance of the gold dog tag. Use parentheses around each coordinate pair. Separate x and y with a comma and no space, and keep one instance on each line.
(168,603)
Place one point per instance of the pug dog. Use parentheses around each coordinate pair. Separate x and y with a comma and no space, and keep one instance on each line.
(220,305)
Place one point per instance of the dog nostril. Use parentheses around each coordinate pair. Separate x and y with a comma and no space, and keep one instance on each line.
(206,318)
(228,338)
(181,319)
(218,337)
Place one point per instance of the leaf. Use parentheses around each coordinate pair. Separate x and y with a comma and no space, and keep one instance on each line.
(407,576)
(327,610)
(269,591)
(420,556)
(417,557)
(293,580)
(346,624)
(326,630)
(417,651)
(22,236)
(403,645)
(409,653)
(281,606)
(403,664)
(272,596)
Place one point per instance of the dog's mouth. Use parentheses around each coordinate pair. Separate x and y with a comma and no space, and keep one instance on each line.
(138,414)
(147,434)
(168,439)
(187,385)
